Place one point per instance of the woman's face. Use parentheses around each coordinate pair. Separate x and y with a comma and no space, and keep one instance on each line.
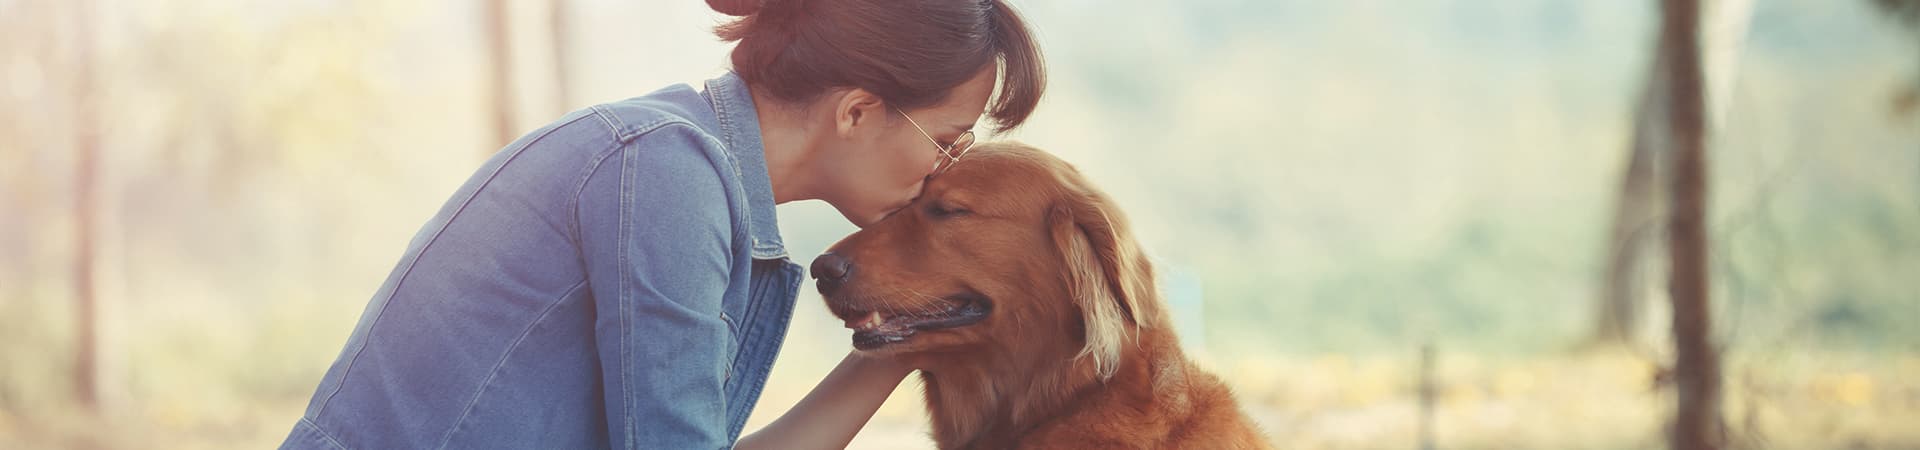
(884,160)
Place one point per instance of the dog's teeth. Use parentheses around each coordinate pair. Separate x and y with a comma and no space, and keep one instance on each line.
(865,322)
(875,320)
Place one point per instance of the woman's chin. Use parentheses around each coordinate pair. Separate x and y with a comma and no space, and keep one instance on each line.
(868,219)
(863,220)
(864,217)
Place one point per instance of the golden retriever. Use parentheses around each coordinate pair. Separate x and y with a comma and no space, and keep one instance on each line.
(1018,290)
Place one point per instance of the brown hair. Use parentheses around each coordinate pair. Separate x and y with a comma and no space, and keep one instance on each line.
(910,53)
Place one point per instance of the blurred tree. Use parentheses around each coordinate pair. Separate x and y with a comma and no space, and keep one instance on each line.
(559,27)
(1697,424)
(1633,236)
(26,47)
(1906,100)
(86,141)
(207,100)
(1905,11)
(500,69)
(235,96)
(37,59)
(1637,207)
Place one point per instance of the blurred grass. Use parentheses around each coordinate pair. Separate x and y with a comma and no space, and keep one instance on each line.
(190,386)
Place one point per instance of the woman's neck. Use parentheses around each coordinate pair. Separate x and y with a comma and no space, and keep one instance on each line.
(788,141)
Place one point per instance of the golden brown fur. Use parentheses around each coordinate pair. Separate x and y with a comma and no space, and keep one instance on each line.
(1075,352)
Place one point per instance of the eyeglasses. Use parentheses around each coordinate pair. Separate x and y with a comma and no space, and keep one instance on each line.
(951,153)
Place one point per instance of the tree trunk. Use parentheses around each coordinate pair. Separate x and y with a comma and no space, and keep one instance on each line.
(1635,211)
(500,68)
(559,27)
(1697,424)
(86,365)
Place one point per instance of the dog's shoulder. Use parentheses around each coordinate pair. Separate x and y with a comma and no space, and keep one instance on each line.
(1215,420)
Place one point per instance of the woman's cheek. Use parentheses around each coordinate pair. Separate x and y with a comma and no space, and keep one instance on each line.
(917,169)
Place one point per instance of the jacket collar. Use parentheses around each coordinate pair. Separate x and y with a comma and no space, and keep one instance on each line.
(740,131)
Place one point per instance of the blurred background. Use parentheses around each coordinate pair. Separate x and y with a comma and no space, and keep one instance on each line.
(1387,224)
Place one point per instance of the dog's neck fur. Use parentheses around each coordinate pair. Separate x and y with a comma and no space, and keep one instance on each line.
(994,397)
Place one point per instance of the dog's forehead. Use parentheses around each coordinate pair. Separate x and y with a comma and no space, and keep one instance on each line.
(1006,172)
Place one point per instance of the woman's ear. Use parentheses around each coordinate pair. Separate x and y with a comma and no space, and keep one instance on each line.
(857,108)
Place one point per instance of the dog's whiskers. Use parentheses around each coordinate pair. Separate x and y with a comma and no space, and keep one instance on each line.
(906,301)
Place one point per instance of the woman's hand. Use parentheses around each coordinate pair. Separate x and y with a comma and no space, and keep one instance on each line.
(830,415)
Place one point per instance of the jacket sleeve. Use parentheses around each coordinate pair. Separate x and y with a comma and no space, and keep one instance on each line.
(656,236)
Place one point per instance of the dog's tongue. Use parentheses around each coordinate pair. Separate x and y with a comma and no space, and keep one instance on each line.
(869,321)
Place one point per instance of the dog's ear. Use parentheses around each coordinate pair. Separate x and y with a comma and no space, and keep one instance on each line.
(1109,279)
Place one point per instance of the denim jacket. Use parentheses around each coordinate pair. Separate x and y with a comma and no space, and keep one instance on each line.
(614,279)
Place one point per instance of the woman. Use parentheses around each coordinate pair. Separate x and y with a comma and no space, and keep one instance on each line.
(616,278)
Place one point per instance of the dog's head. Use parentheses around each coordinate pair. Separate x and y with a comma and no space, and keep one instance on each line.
(1010,246)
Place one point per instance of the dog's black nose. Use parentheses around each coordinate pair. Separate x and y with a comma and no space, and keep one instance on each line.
(831,271)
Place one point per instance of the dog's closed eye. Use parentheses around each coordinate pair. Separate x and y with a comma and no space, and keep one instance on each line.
(944,210)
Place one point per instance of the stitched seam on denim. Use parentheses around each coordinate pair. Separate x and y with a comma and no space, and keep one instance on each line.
(734,336)
(323,433)
(620,141)
(348,371)
(747,333)
(608,117)
(573,202)
(579,187)
(715,92)
(739,190)
(620,302)
(495,370)
(625,132)
(794,280)
(632,132)
(727,129)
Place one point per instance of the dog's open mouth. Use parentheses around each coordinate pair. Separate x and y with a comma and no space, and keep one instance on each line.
(877,328)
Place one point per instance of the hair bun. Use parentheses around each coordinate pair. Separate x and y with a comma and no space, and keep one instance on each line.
(737,8)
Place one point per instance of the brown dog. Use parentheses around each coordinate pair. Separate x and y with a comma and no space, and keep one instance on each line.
(1019,291)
